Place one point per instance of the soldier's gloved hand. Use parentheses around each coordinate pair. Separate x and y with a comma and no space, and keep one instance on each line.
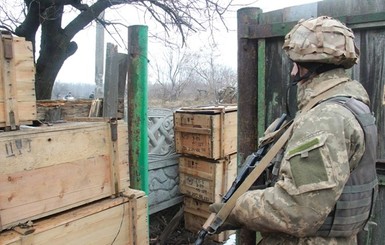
(230,223)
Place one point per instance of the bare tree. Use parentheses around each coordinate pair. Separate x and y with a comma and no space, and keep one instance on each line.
(56,41)
(192,77)
(175,71)
(214,76)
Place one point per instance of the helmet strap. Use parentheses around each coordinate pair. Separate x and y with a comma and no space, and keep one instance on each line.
(298,78)
(312,69)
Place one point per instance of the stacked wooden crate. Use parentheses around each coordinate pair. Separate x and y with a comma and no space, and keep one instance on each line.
(17,82)
(48,170)
(67,183)
(206,138)
(121,220)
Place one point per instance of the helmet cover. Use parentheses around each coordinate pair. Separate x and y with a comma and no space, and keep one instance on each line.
(321,40)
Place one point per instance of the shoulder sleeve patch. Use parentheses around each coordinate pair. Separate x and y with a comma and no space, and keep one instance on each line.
(307,145)
(310,165)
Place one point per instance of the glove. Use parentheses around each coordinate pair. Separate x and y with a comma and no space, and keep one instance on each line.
(230,223)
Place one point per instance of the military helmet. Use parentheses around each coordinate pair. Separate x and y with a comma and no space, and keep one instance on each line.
(321,40)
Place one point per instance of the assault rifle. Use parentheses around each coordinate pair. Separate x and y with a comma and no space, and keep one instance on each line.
(214,222)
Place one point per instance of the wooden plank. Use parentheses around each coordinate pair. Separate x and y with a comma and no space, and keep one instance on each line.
(122,151)
(207,109)
(140,221)
(95,109)
(114,160)
(371,75)
(76,108)
(68,109)
(27,111)
(193,130)
(39,177)
(25,71)
(225,142)
(36,193)
(86,119)
(110,221)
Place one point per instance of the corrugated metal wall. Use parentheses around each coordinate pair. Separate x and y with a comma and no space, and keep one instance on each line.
(272,68)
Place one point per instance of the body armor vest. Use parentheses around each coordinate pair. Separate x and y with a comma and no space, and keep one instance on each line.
(354,207)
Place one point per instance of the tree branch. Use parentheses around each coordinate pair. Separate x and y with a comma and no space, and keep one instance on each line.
(31,23)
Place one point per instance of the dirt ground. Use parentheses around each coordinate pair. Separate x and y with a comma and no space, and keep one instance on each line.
(180,236)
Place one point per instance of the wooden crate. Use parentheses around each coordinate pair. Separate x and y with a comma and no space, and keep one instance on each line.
(206,179)
(209,132)
(196,213)
(46,170)
(118,221)
(17,82)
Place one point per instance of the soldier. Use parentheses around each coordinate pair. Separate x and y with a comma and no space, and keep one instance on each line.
(327,181)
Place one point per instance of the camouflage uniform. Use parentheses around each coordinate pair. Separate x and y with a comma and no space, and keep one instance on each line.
(326,143)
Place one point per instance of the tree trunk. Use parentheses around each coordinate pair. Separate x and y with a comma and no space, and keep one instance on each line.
(48,66)
(56,45)
(55,48)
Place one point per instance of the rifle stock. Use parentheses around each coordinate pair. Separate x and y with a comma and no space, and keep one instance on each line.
(214,221)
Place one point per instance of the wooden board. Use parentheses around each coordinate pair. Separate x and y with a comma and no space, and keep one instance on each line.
(118,221)
(205,179)
(196,213)
(47,170)
(56,110)
(209,132)
(17,82)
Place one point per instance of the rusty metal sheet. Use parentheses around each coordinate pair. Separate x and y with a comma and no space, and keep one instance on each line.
(350,7)
(364,21)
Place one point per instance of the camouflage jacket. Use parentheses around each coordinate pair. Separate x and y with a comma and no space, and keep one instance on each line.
(326,143)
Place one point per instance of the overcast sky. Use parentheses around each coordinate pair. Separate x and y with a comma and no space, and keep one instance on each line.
(79,68)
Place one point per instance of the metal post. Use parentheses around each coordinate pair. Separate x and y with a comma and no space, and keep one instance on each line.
(137,107)
(247,96)
(99,57)
(110,101)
